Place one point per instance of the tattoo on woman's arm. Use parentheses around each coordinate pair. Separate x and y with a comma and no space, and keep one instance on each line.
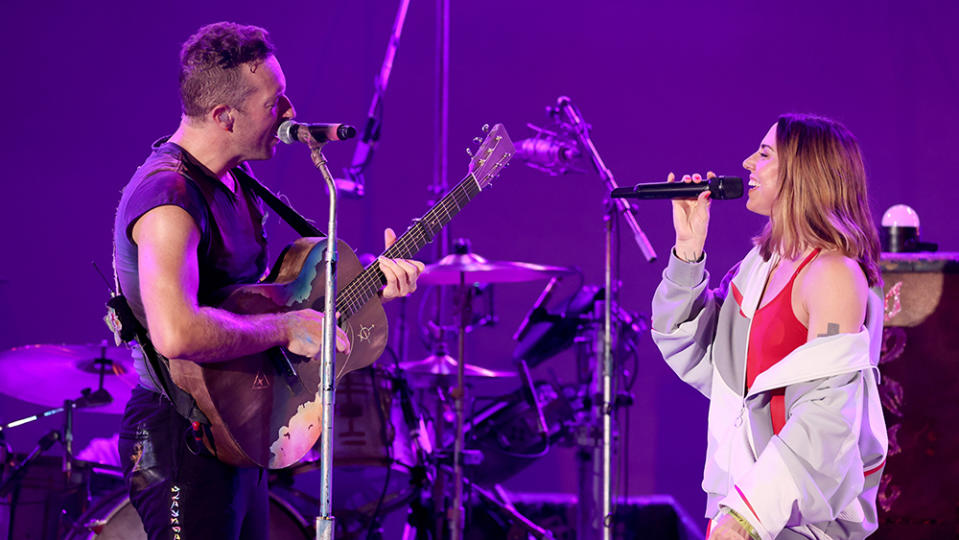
(831,330)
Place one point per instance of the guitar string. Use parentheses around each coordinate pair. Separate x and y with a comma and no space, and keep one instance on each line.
(362,288)
(415,238)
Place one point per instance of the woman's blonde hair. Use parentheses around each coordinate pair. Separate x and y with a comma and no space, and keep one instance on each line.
(822,199)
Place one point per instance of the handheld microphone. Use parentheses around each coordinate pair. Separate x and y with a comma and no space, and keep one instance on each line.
(719,187)
(290,131)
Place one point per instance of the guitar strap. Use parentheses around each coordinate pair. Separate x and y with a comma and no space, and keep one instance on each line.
(293,218)
(129,329)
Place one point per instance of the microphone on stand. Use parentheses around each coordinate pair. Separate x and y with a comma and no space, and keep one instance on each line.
(290,131)
(549,153)
(43,445)
(354,185)
(719,187)
(564,105)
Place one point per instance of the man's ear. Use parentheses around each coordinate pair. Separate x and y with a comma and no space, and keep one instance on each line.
(222,116)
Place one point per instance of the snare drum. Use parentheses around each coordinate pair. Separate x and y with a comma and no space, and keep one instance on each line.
(113,518)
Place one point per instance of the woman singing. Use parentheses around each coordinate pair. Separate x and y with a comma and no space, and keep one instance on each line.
(786,347)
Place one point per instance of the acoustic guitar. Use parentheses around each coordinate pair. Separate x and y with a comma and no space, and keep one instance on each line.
(265,409)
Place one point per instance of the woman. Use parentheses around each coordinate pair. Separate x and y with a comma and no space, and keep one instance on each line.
(786,348)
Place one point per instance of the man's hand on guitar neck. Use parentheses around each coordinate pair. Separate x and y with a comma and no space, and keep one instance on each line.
(400,274)
(304,330)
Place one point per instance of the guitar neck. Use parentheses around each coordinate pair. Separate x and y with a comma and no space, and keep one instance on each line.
(422,232)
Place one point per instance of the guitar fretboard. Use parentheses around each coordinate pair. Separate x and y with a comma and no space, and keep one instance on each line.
(423,230)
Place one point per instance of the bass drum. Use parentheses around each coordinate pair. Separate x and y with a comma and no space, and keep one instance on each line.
(373,458)
(114,518)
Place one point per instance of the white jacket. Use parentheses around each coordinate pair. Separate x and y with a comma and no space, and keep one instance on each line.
(818,477)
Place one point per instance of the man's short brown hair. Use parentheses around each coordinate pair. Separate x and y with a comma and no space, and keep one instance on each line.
(210,64)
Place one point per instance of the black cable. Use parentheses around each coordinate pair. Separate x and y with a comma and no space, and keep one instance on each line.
(384,417)
(425,333)
(626,457)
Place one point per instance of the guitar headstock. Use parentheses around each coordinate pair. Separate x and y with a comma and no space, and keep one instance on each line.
(492,155)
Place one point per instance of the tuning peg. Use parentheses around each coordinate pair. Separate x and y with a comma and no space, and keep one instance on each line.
(469,152)
(485,128)
(477,140)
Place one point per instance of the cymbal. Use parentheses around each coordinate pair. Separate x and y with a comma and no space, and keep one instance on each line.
(477,269)
(429,370)
(49,374)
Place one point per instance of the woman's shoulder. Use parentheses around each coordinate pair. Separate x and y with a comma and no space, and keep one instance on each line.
(835,268)
(833,288)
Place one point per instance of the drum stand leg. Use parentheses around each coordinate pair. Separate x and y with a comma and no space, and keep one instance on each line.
(457,513)
(504,507)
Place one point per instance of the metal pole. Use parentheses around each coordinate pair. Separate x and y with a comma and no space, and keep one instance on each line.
(325,522)
(441,163)
(565,106)
(438,188)
(458,512)
(606,408)
(355,183)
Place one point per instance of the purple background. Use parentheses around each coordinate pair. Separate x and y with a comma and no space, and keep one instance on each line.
(685,88)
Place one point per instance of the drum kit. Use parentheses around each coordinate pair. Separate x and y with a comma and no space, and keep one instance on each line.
(402,439)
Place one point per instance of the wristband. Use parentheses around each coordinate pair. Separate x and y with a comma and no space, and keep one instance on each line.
(699,259)
(750,530)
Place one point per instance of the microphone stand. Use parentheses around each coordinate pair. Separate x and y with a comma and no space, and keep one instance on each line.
(354,185)
(443,521)
(565,106)
(605,367)
(325,522)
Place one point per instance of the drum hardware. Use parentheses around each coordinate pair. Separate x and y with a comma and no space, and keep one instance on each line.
(502,505)
(457,268)
(435,327)
(506,431)
(43,374)
(554,154)
(546,332)
(438,370)
(593,429)
(74,493)
(576,321)
(464,269)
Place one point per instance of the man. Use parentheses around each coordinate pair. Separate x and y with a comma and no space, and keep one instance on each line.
(187,226)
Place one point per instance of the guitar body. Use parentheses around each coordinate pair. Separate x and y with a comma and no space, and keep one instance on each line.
(263,415)
(259,415)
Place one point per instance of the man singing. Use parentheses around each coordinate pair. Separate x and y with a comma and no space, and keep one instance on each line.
(188,225)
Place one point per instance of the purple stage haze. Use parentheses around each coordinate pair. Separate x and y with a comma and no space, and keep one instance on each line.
(682,87)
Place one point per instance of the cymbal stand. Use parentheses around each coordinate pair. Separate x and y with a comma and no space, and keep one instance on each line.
(420,473)
(74,499)
(565,107)
(100,396)
(502,504)
(11,486)
(459,394)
